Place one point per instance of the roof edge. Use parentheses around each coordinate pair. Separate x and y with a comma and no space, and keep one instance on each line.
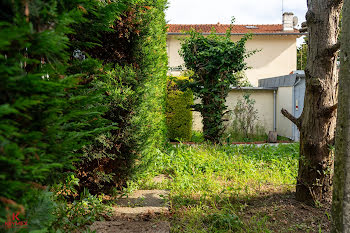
(241,34)
(225,24)
(255,88)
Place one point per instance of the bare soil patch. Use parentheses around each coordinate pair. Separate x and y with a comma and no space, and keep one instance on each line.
(131,227)
(282,213)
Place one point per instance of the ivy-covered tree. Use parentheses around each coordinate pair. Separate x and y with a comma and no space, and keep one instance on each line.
(341,188)
(215,60)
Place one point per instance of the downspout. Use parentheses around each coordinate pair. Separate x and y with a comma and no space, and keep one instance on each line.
(274,110)
(293,105)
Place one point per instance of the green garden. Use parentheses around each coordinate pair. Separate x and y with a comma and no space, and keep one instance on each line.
(88,114)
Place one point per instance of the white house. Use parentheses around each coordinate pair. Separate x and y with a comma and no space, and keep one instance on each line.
(277,56)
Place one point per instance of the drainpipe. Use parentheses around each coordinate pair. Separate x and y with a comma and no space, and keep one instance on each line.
(298,80)
(274,110)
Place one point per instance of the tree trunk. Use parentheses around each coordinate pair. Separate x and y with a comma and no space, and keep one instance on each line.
(318,120)
(341,191)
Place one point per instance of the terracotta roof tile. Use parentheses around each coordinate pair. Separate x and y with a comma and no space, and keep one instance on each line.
(237,29)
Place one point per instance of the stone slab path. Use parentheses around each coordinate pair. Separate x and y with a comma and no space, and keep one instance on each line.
(159,179)
(137,212)
(131,227)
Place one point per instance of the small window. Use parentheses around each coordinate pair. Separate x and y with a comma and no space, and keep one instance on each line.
(251,27)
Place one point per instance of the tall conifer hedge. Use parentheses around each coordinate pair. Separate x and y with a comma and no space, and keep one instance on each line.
(82,87)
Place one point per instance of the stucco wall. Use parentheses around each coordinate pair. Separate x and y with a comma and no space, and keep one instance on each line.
(197,119)
(277,55)
(284,100)
(263,104)
(173,47)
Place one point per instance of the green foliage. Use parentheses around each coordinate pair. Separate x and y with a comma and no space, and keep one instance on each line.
(108,160)
(149,124)
(47,115)
(244,124)
(75,216)
(82,90)
(197,137)
(302,51)
(215,61)
(129,36)
(178,113)
(242,80)
(224,222)
(40,209)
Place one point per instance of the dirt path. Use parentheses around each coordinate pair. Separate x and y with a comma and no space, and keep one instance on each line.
(137,212)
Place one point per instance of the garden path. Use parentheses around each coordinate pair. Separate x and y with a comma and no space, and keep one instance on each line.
(137,212)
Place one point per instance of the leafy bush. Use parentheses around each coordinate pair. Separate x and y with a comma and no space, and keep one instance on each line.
(75,216)
(106,163)
(244,125)
(178,111)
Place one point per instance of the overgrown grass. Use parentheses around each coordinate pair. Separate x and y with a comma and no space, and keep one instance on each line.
(240,137)
(210,184)
(232,137)
(197,136)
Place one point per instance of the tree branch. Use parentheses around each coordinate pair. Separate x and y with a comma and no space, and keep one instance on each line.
(303,30)
(303,27)
(332,141)
(290,117)
(327,111)
(330,51)
(223,114)
(86,81)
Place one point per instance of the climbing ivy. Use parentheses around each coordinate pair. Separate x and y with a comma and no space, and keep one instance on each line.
(215,61)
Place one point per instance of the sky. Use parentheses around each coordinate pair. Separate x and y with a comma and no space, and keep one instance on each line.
(245,11)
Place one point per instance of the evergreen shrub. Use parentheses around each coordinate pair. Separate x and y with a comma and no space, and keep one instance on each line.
(46,115)
(130,38)
(93,114)
(150,54)
(178,111)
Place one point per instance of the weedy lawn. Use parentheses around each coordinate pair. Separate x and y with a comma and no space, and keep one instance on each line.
(232,189)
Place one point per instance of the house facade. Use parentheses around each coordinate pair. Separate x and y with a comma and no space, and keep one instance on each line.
(275,45)
(276,56)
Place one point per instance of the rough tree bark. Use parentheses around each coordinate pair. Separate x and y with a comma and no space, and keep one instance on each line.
(318,120)
(341,186)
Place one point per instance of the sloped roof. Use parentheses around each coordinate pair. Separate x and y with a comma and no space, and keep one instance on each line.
(236,29)
(280,81)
